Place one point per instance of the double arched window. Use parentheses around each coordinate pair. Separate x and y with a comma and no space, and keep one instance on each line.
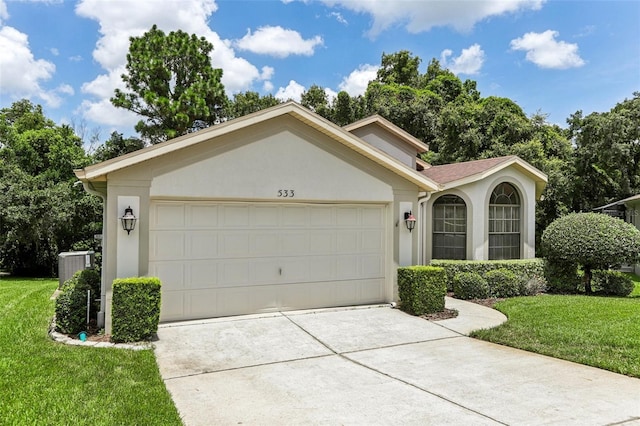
(504,223)
(449,228)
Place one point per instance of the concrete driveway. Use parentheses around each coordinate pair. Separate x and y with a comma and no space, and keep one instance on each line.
(377,365)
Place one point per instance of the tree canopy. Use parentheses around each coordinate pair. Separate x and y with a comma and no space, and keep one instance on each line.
(42,212)
(172,84)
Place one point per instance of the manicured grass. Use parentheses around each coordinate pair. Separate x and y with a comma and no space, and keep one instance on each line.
(603,332)
(43,382)
(636,281)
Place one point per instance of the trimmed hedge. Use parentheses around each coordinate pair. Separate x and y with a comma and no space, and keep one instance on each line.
(135,309)
(524,269)
(503,283)
(421,289)
(71,303)
(470,285)
(612,283)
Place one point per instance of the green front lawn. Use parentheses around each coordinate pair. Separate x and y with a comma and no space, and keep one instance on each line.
(603,332)
(43,382)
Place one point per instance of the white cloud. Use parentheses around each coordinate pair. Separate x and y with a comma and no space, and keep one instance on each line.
(267,86)
(278,42)
(22,73)
(419,16)
(118,21)
(293,91)
(356,83)
(546,52)
(76,58)
(339,18)
(267,73)
(65,89)
(54,51)
(469,62)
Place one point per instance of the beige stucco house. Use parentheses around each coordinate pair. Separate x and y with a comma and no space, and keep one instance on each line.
(282,210)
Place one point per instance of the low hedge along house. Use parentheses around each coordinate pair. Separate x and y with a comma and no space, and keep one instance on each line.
(282,210)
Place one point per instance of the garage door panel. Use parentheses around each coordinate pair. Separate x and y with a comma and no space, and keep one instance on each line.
(322,242)
(172,307)
(347,242)
(234,216)
(371,266)
(218,259)
(234,273)
(233,245)
(168,216)
(294,216)
(202,216)
(265,216)
(171,273)
(167,245)
(202,274)
(202,244)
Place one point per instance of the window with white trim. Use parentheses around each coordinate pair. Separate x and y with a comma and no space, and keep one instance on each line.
(449,228)
(504,223)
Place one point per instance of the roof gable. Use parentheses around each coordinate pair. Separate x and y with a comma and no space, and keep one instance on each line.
(452,175)
(100,171)
(388,126)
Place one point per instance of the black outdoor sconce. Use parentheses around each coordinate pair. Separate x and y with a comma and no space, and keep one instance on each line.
(409,220)
(128,220)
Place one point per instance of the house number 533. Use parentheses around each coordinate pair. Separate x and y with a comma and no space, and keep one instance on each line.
(286,193)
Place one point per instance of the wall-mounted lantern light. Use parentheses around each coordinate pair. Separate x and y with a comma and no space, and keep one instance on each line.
(409,220)
(128,220)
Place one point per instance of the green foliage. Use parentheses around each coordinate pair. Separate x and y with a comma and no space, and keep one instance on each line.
(562,277)
(399,68)
(607,154)
(421,289)
(116,146)
(503,283)
(247,103)
(612,283)
(71,304)
(37,195)
(171,83)
(470,285)
(135,309)
(524,269)
(592,240)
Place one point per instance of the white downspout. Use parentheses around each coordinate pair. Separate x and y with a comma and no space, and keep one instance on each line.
(423,197)
(103,291)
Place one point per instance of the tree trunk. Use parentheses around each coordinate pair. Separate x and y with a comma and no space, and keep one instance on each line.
(587,280)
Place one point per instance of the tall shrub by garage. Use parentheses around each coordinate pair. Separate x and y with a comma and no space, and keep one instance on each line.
(422,289)
(71,304)
(135,309)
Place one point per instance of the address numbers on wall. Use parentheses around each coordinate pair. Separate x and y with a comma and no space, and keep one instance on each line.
(286,193)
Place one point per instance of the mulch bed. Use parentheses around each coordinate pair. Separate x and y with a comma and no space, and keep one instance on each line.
(452,313)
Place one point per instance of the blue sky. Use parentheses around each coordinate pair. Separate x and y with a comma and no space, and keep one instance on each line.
(554,57)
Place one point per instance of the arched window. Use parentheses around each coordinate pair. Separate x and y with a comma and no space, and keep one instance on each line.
(504,223)
(449,228)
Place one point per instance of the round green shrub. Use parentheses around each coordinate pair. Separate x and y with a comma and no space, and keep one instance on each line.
(612,283)
(502,283)
(71,304)
(470,285)
(591,240)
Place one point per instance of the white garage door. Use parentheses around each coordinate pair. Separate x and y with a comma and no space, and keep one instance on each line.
(218,259)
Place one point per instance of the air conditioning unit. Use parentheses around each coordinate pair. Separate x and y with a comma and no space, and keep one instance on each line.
(71,262)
